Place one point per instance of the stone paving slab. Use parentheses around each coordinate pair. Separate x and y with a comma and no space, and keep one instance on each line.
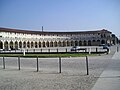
(110,78)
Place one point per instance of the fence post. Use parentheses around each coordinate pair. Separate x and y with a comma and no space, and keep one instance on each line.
(85,50)
(59,64)
(3,62)
(57,50)
(19,62)
(41,50)
(24,52)
(49,50)
(96,50)
(89,50)
(33,50)
(108,51)
(87,65)
(66,49)
(117,49)
(37,64)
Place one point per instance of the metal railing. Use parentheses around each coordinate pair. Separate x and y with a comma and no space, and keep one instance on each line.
(4,59)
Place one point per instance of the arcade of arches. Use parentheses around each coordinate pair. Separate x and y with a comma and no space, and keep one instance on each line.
(39,44)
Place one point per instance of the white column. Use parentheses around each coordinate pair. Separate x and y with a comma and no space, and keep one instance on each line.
(3,45)
(8,45)
(13,44)
(18,44)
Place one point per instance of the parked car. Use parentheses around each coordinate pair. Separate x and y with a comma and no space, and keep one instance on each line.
(105,46)
(75,48)
(102,45)
(109,45)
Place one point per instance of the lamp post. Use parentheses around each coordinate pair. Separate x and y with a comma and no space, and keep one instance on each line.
(42,28)
(119,40)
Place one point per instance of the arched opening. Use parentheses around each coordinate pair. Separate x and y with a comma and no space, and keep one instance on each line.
(16,45)
(93,42)
(55,44)
(11,45)
(51,44)
(36,45)
(85,43)
(32,46)
(24,44)
(89,43)
(80,43)
(64,44)
(39,44)
(6,45)
(72,43)
(98,42)
(47,44)
(43,44)
(76,43)
(1,45)
(20,44)
(28,44)
(68,43)
(59,44)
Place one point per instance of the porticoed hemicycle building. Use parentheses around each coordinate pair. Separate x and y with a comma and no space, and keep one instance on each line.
(14,38)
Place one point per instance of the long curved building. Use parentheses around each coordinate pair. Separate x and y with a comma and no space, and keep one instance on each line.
(14,38)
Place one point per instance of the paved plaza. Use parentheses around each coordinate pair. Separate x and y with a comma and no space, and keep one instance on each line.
(73,77)
(110,78)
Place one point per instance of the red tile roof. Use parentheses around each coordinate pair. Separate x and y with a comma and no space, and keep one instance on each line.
(45,32)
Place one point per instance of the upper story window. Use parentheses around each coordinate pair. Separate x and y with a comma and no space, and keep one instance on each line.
(98,33)
(104,35)
(101,36)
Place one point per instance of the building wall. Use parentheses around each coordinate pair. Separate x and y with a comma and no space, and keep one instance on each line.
(10,40)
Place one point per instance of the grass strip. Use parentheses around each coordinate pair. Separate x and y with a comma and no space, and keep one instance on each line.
(50,55)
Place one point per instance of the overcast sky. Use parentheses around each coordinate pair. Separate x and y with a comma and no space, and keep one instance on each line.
(61,15)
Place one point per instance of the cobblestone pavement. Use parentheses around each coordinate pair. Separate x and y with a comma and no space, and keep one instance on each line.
(73,76)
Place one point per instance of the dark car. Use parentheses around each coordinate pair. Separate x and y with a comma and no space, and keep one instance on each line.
(75,48)
(102,45)
(109,45)
(105,47)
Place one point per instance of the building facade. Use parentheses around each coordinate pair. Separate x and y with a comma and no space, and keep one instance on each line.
(14,38)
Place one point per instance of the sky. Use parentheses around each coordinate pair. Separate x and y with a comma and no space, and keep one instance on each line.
(61,15)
